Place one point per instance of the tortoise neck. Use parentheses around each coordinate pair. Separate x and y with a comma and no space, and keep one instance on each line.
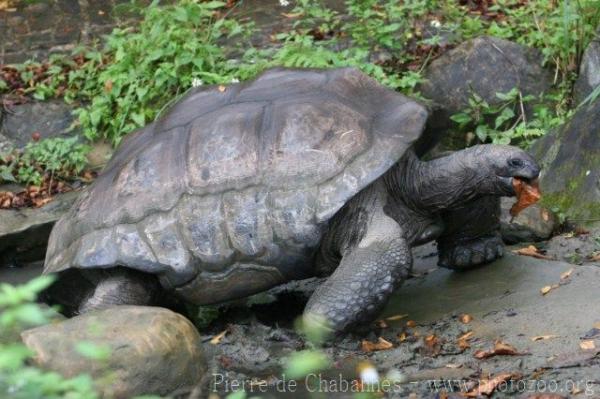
(435,185)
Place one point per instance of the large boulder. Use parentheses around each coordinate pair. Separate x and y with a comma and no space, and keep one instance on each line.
(534,223)
(48,118)
(570,160)
(149,350)
(589,71)
(24,232)
(485,66)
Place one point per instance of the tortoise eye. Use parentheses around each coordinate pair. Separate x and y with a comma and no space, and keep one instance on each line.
(515,163)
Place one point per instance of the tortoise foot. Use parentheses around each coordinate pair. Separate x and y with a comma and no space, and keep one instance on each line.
(471,253)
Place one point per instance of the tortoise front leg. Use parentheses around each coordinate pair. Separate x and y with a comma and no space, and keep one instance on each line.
(472,235)
(361,285)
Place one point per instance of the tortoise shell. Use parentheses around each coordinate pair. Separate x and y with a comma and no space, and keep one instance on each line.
(238,179)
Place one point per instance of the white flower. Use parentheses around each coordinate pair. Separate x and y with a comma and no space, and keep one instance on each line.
(197,82)
(369,375)
(235,80)
(284,3)
(435,23)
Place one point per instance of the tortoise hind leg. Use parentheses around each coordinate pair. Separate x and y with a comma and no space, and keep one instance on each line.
(472,235)
(83,291)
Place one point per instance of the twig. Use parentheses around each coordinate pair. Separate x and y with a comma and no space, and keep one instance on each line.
(522,107)
(516,122)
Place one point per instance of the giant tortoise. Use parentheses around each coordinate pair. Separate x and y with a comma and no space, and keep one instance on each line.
(294,174)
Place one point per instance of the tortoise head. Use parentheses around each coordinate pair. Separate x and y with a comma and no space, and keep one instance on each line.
(501,164)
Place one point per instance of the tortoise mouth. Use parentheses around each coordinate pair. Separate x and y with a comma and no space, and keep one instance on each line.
(507,186)
(508,183)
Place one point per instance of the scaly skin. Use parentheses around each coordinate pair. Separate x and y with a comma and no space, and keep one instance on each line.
(472,235)
(416,196)
(367,248)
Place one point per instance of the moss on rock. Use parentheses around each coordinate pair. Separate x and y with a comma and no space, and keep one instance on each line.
(570,158)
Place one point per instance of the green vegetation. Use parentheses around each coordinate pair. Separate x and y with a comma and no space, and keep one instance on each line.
(500,124)
(18,379)
(52,159)
(141,70)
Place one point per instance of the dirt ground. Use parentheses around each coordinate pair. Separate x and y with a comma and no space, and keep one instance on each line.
(552,338)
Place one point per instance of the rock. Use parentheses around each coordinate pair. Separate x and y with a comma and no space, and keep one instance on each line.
(486,66)
(575,248)
(152,350)
(5,144)
(49,118)
(24,232)
(570,160)
(534,223)
(589,71)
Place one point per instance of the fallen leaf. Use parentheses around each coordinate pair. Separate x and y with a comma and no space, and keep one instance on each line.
(597,325)
(402,337)
(453,366)
(566,274)
(595,258)
(108,85)
(592,334)
(533,252)
(546,396)
(396,317)
(222,88)
(546,289)
(466,318)
(382,324)
(463,340)
(381,344)
(39,202)
(411,324)
(488,386)
(5,5)
(432,345)
(545,215)
(431,340)
(543,337)
(500,349)
(527,195)
(217,338)
(587,345)
(292,15)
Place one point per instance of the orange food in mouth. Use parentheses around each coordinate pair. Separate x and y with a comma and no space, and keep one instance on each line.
(528,193)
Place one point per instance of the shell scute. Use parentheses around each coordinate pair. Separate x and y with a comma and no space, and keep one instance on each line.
(245,176)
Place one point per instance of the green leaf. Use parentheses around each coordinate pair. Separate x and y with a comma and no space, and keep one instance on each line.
(213,4)
(6,174)
(305,362)
(461,118)
(482,133)
(139,119)
(95,116)
(506,115)
(39,283)
(180,14)
(13,356)
(237,395)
